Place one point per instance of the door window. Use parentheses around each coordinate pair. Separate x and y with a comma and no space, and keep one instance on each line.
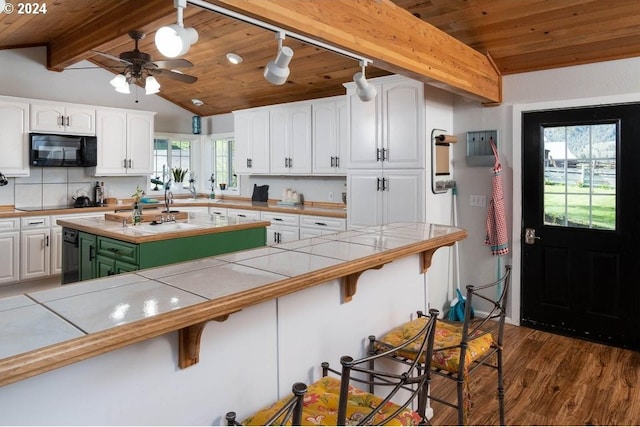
(580,176)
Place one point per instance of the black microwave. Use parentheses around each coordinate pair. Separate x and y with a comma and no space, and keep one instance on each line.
(62,150)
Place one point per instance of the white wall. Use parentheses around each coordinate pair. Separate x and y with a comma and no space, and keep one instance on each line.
(593,84)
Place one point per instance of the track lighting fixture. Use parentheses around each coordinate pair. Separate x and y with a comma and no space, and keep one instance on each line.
(277,70)
(175,40)
(365,91)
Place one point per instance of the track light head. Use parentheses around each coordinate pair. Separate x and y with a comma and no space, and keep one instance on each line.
(365,91)
(175,40)
(277,70)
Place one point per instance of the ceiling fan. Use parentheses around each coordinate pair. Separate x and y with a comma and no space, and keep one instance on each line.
(138,65)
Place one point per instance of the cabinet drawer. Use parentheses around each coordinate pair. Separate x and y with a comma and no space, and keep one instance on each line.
(117,249)
(278,218)
(243,214)
(323,222)
(30,222)
(10,224)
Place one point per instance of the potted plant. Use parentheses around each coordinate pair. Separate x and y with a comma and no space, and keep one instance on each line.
(179,174)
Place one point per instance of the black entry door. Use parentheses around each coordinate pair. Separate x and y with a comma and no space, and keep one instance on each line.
(581,212)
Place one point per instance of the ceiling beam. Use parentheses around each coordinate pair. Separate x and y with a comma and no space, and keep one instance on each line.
(116,22)
(390,36)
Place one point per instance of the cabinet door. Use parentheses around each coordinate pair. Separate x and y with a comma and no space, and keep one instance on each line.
(251,129)
(34,253)
(47,118)
(56,250)
(123,267)
(325,137)
(80,120)
(402,124)
(242,153)
(14,138)
(105,266)
(300,139)
(403,196)
(364,207)
(342,144)
(139,144)
(87,263)
(9,262)
(112,142)
(279,140)
(365,129)
(281,234)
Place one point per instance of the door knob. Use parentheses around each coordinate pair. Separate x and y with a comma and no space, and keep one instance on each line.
(530,236)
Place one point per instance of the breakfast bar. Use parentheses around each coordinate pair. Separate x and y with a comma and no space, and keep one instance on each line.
(247,324)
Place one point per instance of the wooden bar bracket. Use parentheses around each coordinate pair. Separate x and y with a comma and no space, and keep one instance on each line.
(189,342)
(350,284)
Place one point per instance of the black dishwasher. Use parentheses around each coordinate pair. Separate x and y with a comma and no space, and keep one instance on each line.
(70,256)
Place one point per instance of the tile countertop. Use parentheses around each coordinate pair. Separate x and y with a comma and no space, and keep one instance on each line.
(198,224)
(48,329)
(334,210)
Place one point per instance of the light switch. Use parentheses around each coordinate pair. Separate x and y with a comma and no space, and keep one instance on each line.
(478,200)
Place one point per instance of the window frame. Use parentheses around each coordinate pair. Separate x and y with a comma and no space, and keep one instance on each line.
(211,139)
(192,139)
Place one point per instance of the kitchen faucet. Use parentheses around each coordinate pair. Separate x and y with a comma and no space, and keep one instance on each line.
(192,188)
(168,197)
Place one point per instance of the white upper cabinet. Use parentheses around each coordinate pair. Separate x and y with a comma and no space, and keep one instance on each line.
(125,142)
(330,136)
(63,118)
(14,137)
(388,131)
(290,139)
(251,129)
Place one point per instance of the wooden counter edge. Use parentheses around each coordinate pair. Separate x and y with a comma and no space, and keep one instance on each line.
(29,364)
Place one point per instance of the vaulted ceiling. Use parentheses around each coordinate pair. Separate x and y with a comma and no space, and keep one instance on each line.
(519,36)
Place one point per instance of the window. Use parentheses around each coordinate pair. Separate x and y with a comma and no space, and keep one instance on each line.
(223,152)
(169,153)
(580,176)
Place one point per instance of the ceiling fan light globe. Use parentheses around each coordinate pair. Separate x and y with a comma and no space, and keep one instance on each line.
(365,91)
(174,40)
(277,71)
(123,89)
(151,85)
(119,81)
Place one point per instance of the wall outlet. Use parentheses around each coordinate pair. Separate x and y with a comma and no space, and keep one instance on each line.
(478,200)
(330,195)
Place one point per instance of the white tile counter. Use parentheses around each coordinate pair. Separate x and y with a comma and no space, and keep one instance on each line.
(45,330)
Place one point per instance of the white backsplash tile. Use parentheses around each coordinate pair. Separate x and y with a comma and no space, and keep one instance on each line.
(35,177)
(54,175)
(28,195)
(55,195)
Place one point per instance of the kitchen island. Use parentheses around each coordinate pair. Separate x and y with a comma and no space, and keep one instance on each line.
(108,247)
(271,314)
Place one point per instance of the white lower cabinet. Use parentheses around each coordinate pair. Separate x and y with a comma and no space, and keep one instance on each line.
(242,213)
(35,247)
(379,197)
(314,226)
(284,227)
(10,250)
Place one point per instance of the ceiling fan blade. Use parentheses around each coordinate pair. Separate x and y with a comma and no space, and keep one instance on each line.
(173,63)
(107,55)
(176,76)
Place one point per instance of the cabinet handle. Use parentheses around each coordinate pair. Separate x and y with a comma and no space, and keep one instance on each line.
(385,154)
(35,222)
(242,215)
(249,163)
(124,163)
(129,163)
(46,241)
(277,219)
(290,162)
(321,223)
(385,186)
(67,122)
(333,161)
(286,162)
(377,154)
(59,121)
(337,161)
(378,187)
(92,255)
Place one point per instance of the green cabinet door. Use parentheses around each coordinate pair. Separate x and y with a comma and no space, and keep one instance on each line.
(108,266)
(87,246)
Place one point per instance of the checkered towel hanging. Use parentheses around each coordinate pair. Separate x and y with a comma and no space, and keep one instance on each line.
(497,236)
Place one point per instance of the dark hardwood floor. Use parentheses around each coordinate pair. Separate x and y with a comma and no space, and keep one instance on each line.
(553,380)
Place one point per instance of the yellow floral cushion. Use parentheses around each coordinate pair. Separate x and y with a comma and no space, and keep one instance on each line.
(321,407)
(448,334)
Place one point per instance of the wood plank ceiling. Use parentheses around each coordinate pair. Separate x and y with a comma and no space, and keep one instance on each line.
(520,36)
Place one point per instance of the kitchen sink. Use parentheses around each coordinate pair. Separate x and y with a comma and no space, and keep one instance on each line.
(166,227)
